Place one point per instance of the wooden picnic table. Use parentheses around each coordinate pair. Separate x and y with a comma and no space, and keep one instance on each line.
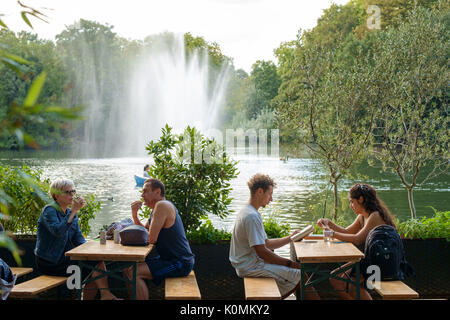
(310,253)
(94,251)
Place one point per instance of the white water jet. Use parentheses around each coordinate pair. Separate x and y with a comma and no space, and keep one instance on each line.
(163,86)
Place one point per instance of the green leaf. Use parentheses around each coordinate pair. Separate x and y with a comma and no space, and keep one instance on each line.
(3,24)
(35,90)
(25,18)
(13,65)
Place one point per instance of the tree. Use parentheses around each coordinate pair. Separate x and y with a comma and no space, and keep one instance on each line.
(413,126)
(41,55)
(394,12)
(330,103)
(196,173)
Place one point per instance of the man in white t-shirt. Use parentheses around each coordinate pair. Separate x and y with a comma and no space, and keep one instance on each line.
(251,251)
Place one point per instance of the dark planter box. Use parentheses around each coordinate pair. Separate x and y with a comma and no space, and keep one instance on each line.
(216,277)
(430,259)
(26,245)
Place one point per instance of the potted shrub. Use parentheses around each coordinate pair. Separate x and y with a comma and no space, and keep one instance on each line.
(427,246)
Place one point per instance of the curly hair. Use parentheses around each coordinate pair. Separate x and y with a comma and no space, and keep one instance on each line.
(260,181)
(371,202)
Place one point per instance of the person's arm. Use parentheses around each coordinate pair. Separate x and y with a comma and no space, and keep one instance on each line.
(160,213)
(351,229)
(135,206)
(269,257)
(50,221)
(77,205)
(273,244)
(361,235)
(78,238)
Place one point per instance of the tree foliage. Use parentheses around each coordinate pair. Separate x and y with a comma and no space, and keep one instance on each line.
(196,172)
(413,125)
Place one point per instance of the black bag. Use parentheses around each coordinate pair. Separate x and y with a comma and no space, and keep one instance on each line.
(384,248)
(134,236)
(117,226)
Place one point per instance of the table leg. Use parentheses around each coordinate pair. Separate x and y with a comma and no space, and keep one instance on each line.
(133,294)
(80,290)
(301,294)
(358,282)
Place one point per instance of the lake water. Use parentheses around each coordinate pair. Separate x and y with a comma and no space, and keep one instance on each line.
(300,184)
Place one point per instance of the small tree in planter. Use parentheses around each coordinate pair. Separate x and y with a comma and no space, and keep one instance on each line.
(196,172)
(427,243)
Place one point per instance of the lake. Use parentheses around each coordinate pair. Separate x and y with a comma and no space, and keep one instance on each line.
(300,184)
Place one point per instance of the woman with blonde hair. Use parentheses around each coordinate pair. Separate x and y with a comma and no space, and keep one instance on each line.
(58,231)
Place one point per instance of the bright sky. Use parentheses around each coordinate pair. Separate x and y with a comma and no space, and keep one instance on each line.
(246,30)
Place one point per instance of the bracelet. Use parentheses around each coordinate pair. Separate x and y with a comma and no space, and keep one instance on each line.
(288,263)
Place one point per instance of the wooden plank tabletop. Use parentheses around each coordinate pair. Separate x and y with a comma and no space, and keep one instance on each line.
(318,251)
(93,250)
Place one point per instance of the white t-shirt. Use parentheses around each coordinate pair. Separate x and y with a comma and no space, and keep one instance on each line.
(248,232)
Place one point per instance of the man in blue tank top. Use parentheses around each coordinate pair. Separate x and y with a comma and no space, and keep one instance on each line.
(166,232)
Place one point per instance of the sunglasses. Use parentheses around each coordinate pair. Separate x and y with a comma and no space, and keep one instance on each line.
(363,187)
(72,192)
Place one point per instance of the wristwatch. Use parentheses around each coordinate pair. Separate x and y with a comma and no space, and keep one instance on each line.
(288,263)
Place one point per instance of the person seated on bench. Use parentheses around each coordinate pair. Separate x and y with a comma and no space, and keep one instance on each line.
(166,231)
(251,251)
(370,212)
(58,231)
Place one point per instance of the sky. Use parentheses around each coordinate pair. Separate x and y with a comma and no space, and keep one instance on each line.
(245,30)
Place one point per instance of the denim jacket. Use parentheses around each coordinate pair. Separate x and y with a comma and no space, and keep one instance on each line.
(54,233)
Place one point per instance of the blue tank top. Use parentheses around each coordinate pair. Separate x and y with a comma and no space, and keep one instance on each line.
(172,242)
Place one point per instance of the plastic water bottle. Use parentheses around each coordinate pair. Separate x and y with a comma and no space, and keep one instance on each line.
(102,237)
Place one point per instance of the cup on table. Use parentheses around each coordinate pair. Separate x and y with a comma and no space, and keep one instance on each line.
(327,234)
(116,236)
(102,237)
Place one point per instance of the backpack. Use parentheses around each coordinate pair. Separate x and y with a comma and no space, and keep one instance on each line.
(384,248)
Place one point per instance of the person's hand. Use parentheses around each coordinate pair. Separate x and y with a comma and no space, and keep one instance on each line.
(135,206)
(295,232)
(78,203)
(323,223)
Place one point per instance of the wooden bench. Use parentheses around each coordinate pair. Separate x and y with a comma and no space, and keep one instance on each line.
(33,287)
(261,289)
(21,271)
(183,288)
(396,290)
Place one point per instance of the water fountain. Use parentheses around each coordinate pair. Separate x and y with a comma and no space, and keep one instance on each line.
(163,85)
